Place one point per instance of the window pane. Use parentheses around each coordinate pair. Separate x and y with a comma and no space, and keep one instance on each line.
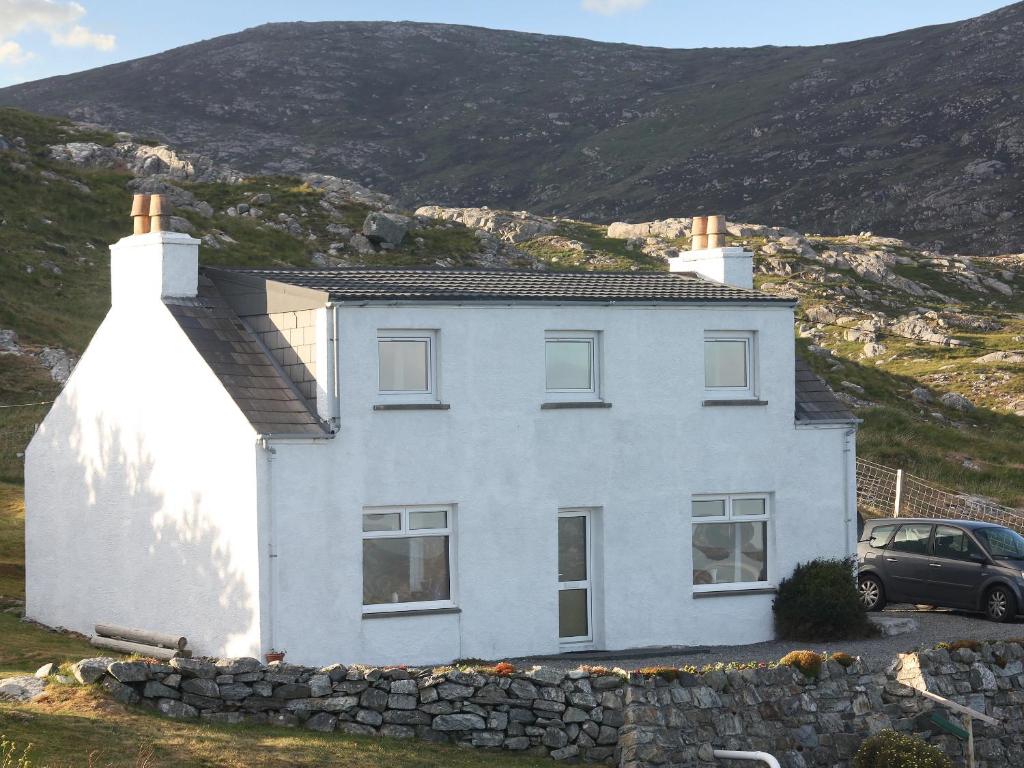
(572,548)
(429,519)
(384,521)
(405,570)
(912,538)
(747,507)
(753,546)
(572,613)
(725,363)
(953,543)
(568,364)
(403,365)
(714,554)
(880,535)
(1002,543)
(709,508)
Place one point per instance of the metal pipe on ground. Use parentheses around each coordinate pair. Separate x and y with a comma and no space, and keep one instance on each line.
(733,754)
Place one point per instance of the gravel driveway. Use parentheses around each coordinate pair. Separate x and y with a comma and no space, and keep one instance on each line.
(934,626)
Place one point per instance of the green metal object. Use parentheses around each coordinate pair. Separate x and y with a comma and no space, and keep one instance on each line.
(948,726)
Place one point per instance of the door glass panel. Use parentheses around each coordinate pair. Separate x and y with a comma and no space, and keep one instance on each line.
(954,544)
(572,613)
(912,539)
(572,548)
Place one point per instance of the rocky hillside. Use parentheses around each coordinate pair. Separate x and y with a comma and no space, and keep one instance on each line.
(918,134)
(927,348)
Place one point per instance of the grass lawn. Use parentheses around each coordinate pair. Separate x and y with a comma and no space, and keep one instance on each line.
(76,726)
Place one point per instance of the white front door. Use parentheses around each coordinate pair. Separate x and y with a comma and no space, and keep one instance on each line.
(575,612)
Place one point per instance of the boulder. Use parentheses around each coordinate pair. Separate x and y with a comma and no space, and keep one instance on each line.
(323,722)
(508,226)
(88,671)
(386,227)
(194,667)
(458,722)
(178,710)
(9,342)
(957,402)
(130,671)
(23,688)
(51,668)
(921,395)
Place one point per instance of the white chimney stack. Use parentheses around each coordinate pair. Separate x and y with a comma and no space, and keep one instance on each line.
(709,257)
(153,264)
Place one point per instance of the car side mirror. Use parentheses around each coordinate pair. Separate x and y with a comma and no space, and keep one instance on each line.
(979,558)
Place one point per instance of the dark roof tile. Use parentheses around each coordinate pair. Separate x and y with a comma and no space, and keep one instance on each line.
(269,402)
(361,284)
(815,402)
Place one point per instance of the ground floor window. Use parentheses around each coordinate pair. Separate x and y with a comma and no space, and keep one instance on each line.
(730,540)
(407,556)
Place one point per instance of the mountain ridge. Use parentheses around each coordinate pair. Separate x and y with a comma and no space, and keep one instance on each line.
(918,133)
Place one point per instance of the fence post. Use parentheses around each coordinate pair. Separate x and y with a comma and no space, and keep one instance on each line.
(899,493)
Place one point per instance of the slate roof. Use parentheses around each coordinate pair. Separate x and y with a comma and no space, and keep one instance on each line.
(361,284)
(815,402)
(268,399)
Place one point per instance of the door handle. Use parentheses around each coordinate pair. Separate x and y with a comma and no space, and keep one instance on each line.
(892,559)
(934,565)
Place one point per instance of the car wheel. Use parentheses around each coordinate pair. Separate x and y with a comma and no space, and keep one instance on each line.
(1000,604)
(872,596)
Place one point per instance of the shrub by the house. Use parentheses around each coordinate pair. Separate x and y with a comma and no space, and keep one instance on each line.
(889,749)
(819,601)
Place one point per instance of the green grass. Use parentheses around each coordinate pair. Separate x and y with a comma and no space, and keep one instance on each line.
(76,726)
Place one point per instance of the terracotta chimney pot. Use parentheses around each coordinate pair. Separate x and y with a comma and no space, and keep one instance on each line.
(716,231)
(698,233)
(140,214)
(159,214)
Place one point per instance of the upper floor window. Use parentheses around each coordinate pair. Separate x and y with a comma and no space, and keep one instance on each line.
(407,363)
(729,363)
(571,365)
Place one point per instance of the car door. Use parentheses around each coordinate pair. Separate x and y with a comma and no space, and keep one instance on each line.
(956,569)
(906,562)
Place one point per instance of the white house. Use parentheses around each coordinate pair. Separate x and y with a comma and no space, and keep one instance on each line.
(418,465)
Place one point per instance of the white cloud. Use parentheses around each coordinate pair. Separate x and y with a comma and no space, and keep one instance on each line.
(58,18)
(12,53)
(80,37)
(611,7)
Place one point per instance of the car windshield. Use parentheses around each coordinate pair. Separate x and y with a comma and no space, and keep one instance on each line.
(1002,543)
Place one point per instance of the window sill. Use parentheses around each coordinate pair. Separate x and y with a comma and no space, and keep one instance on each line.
(422,612)
(766,590)
(411,407)
(737,401)
(574,404)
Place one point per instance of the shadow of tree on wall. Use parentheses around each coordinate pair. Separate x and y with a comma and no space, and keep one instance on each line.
(106,545)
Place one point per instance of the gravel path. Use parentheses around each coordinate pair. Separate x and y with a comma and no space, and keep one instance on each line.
(934,626)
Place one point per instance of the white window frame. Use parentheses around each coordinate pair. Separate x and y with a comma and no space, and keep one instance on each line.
(430,395)
(749,339)
(728,518)
(593,392)
(587,584)
(404,533)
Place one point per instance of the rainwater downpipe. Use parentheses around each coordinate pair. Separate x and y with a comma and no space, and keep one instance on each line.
(268,523)
(848,443)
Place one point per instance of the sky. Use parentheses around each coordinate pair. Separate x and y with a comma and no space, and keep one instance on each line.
(41,38)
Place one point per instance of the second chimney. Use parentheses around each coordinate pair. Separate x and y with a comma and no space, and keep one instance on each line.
(710,258)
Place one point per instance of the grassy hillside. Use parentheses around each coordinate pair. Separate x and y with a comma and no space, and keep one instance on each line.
(57,220)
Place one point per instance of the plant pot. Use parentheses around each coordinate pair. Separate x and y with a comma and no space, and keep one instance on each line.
(274,656)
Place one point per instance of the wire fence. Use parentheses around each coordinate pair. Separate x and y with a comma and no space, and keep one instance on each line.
(892,492)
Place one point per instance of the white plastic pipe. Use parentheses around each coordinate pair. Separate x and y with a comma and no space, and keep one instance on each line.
(732,754)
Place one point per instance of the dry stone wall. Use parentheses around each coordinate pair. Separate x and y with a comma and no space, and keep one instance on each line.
(630,720)
(544,711)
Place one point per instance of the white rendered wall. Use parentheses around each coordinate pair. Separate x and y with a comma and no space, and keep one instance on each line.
(141,491)
(508,466)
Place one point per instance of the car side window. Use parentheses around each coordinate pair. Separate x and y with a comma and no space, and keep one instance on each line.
(880,535)
(912,539)
(954,544)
